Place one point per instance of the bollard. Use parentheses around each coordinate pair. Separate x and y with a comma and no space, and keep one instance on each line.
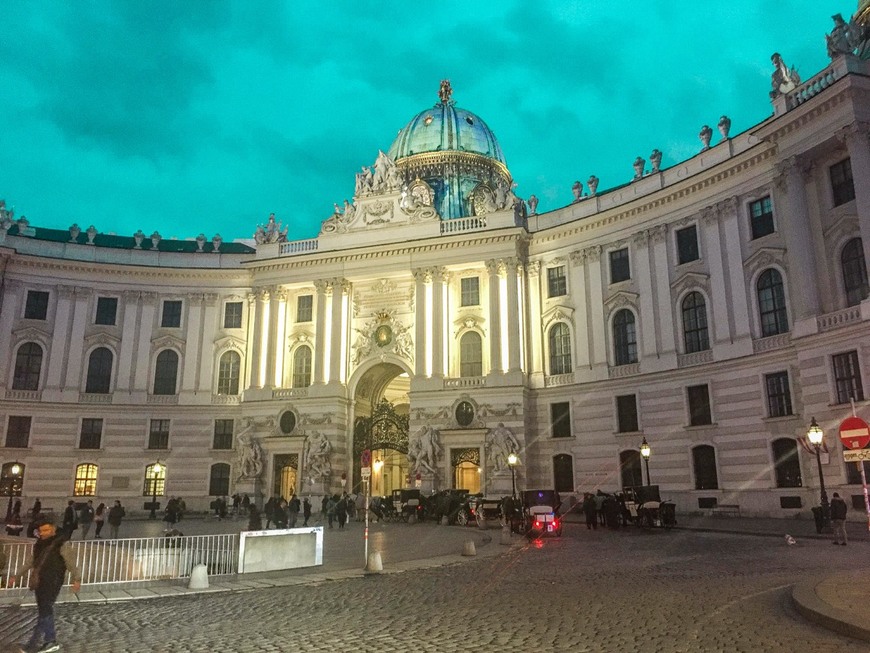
(198,577)
(468,549)
(374,563)
(445,521)
(506,535)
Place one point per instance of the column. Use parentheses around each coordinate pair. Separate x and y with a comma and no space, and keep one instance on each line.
(438,295)
(855,136)
(513,315)
(193,326)
(663,304)
(147,311)
(279,319)
(76,338)
(271,330)
(339,287)
(493,267)
(205,374)
(802,284)
(255,335)
(421,278)
(59,340)
(581,314)
(732,258)
(596,303)
(648,330)
(535,366)
(320,332)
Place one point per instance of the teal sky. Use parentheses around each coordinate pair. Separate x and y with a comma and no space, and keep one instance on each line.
(189,117)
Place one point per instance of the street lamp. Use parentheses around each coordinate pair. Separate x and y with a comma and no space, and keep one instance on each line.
(156,468)
(10,483)
(645,452)
(512,462)
(816,436)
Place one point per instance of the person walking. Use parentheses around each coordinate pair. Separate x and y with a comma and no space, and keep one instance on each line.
(838,519)
(331,504)
(306,511)
(50,560)
(116,514)
(70,520)
(86,518)
(341,510)
(591,511)
(293,511)
(99,519)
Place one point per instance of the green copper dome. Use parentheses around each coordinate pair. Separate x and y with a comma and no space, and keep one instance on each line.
(443,128)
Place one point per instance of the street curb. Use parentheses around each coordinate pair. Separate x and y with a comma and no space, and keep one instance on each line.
(812,608)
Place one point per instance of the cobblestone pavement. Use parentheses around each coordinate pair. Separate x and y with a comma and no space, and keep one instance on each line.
(632,590)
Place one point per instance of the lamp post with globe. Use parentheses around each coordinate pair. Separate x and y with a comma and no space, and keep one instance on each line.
(156,469)
(512,462)
(645,452)
(816,436)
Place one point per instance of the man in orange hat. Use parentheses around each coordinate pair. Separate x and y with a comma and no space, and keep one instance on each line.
(52,557)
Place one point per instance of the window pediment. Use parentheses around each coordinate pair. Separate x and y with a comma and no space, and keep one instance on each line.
(33,333)
(558,313)
(765,257)
(690,280)
(102,337)
(468,322)
(621,299)
(167,342)
(229,342)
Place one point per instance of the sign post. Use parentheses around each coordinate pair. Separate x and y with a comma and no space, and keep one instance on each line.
(366,473)
(855,436)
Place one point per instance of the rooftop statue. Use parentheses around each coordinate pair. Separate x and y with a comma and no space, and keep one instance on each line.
(445,91)
(784,79)
(271,232)
(851,37)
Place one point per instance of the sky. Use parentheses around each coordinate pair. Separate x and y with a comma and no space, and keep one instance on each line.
(205,117)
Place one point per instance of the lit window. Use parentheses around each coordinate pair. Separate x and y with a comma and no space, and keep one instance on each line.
(155,482)
(85,484)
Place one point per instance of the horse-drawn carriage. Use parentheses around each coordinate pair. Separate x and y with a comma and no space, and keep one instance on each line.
(645,507)
(540,511)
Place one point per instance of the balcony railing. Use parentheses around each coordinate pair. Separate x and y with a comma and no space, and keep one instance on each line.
(24,395)
(295,247)
(289,393)
(164,400)
(461,225)
(770,343)
(556,380)
(695,358)
(840,318)
(620,371)
(94,398)
(226,400)
(465,382)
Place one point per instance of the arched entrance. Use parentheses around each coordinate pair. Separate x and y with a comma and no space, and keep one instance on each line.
(286,467)
(381,409)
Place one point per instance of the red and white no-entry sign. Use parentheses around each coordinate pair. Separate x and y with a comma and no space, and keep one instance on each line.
(854,433)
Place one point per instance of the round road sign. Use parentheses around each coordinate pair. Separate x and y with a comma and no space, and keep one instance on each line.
(854,433)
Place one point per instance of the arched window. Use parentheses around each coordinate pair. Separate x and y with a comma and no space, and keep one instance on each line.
(228,373)
(560,349)
(166,372)
(99,377)
(854,272)
(470,354)
(28,365)
(302,367)
(563,473)
(704,464)
(771,303)
(629,468)
(786,464)
(85,481)
(695,334)
(155,482)
(624,338)
(219,480)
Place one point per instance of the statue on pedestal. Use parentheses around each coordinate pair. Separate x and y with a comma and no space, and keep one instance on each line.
(317,463)
(250,454)
(502,442)
(423,450)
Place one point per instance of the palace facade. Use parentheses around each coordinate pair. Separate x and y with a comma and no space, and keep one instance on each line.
(710,309)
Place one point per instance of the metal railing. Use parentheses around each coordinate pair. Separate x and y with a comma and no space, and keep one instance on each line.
(139,559)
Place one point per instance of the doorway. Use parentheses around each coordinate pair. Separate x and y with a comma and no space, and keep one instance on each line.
(286,467)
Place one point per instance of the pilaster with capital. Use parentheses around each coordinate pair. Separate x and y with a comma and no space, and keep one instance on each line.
(147,320)
(75,336)
(648,318)
(340,288)
(421,277)
(320,332)
(60,337)
(513,335)
(856,139)
(494,319)
(793,175)
(594,274)
(717,260)
(439,294)
(10,308)
(535,365)
(658,248)
(193,330)
(581,308)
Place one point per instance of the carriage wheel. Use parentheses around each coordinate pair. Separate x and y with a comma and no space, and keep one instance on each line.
(462,518)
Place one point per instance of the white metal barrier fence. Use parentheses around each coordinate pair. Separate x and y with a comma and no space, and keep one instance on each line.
(138,559)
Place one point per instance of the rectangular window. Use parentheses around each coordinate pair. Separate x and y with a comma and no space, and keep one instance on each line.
(778,395)
(223,434)
(699,405)
(626,414)
(847,377)
(233,315)
(107,310)
(620,270)
(158,436)
(36,307)
(557,284)
(842,186)
(171,313)
(304,306)
(687,245)
(92,433)
(761,217)
(18,432)
(470,291)
(560,419)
